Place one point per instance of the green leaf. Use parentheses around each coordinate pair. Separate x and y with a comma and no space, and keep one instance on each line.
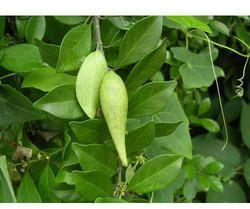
(67,194)
(247,171)
(46,184)
(96,157)
(16,108)
(92,184)
(164,129)
(190,189)
(213,168)
(88,82)
(111,35)
(216,184)
(6,190)
(189,22)
(166,195)
(244,124)
(49,52)
(155,174)
(232,193)
(204,106)
(230,157)
(70,20)
(74,47)
(207,123)
(141,38)
(61,102)
(64,176)
(197,71)
(243,35)
(35,28)
(27,192)
(150,99)
(46,79)
(121,22)
(146,67)
(21,58)
(139,138)
(220,27)
(179,142)
(90,131)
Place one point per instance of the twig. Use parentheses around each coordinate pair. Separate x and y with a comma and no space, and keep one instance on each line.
(98,33)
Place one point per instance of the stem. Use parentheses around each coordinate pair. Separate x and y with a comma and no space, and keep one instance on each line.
(220,45)
(98,33)
(37,160)
(152,197)
(6,76)
(219,94)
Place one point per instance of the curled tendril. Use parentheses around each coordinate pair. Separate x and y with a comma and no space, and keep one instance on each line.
(239,88)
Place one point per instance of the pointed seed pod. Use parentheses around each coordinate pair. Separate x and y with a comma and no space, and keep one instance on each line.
(88,82)
(114,103)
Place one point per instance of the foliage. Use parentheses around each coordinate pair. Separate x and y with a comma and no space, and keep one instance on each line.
(75,91)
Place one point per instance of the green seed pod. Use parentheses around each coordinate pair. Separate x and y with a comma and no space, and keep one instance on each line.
(114,103)
(88,82)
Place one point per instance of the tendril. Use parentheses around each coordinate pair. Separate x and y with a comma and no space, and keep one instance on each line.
(239,88)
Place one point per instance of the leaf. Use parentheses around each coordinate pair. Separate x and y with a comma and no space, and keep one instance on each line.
(70,20)
(155,174)
(243,35)
(164,129)
(88,82)
(63,176)
(27,192)
(190,189)
(96,157)
(204,106)
(179,142)
(111,35)
(60,102)
(21,58)
(46,184)
(150,99)
(189,22)
(232,193)
(220,27)
(90,131)
(46,79)
(121,22)
(146,67)
(230,157)
(197,71)
(244,124)
(15,107)
(49,52)
(215,184)
(6,190)
(141,38)
(166,195)
(35,28)
(92,184)
(75,45)
(207,123)
(247,171)
(139,138)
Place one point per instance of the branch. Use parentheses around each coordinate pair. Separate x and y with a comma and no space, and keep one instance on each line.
(98,33)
